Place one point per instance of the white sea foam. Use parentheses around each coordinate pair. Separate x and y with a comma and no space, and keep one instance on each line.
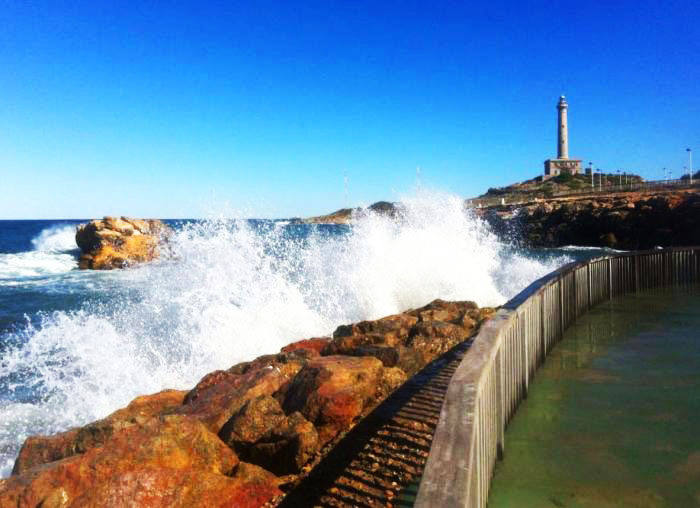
(54,252)
(230,293)
(60,238)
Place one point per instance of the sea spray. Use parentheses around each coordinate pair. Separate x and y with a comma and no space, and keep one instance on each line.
(232,290)
(54,251)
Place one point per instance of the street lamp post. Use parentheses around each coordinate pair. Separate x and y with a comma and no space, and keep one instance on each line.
(690,163)
(666,175)
(590,167)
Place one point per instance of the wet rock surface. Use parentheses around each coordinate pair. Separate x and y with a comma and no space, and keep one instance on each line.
(119,242)
(626,221)
(241,436)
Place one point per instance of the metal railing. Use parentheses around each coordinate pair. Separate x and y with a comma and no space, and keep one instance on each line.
(494,375)
(585,190)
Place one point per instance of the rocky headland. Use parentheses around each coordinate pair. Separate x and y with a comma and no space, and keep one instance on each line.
(119,242)
(625,220)
(243,436)
(346,215)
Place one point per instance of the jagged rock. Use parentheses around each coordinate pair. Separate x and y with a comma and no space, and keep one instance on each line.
(261,433)
(223,442)
(312,347)
(43,449)
(412,339)
(333,391)
(220,394)
(167,461)
(631,221)
(119,242)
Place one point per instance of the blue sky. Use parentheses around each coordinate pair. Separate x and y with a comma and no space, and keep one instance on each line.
(173,109)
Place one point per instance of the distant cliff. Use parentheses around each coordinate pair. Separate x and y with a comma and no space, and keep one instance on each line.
(625,221)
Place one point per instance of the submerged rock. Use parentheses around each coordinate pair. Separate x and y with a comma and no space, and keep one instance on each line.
(119,242)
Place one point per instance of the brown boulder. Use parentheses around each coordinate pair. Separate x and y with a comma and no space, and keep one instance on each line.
(42,449)
(412,339)
(221,394)
(391,330)
(333,391)
(261,433)
(167,461)
(312,347)
(119,242)
(441,310)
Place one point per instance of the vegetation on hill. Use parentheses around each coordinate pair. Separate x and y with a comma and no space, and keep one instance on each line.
(559,184)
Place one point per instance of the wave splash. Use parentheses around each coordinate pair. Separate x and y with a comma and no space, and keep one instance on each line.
(234,290)
(54,252)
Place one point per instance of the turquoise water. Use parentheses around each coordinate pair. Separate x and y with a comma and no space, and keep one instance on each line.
(613,415)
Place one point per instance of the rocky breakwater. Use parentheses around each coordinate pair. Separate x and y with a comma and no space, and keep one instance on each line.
(119,242)
(626,221)
(241,436)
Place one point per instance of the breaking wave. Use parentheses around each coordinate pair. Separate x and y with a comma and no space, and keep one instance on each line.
(54,252)
(236,289)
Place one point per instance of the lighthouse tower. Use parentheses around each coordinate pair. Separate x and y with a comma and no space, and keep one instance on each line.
(562,164)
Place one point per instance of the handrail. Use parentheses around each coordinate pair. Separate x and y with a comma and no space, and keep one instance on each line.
(494,375)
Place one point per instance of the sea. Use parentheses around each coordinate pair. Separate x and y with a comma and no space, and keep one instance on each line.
(76,345)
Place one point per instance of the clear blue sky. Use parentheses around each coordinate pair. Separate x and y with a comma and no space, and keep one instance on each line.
(174,109)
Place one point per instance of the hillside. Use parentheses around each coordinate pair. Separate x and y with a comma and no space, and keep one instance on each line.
(562,184)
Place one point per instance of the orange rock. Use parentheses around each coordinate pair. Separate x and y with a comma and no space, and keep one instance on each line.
(119,242)
(42,449)
(312,346)
(220,394)
(333,391)
(410,340)
(167,461)
(261,433)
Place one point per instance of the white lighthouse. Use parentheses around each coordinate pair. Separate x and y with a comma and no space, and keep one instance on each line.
(562,164)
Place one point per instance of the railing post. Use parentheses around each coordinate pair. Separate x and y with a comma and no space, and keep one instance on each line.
(500,403)
(609,278)
(523,322)
(635,260)
(588,276)
(664,269)
(543,340)
(561,307)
